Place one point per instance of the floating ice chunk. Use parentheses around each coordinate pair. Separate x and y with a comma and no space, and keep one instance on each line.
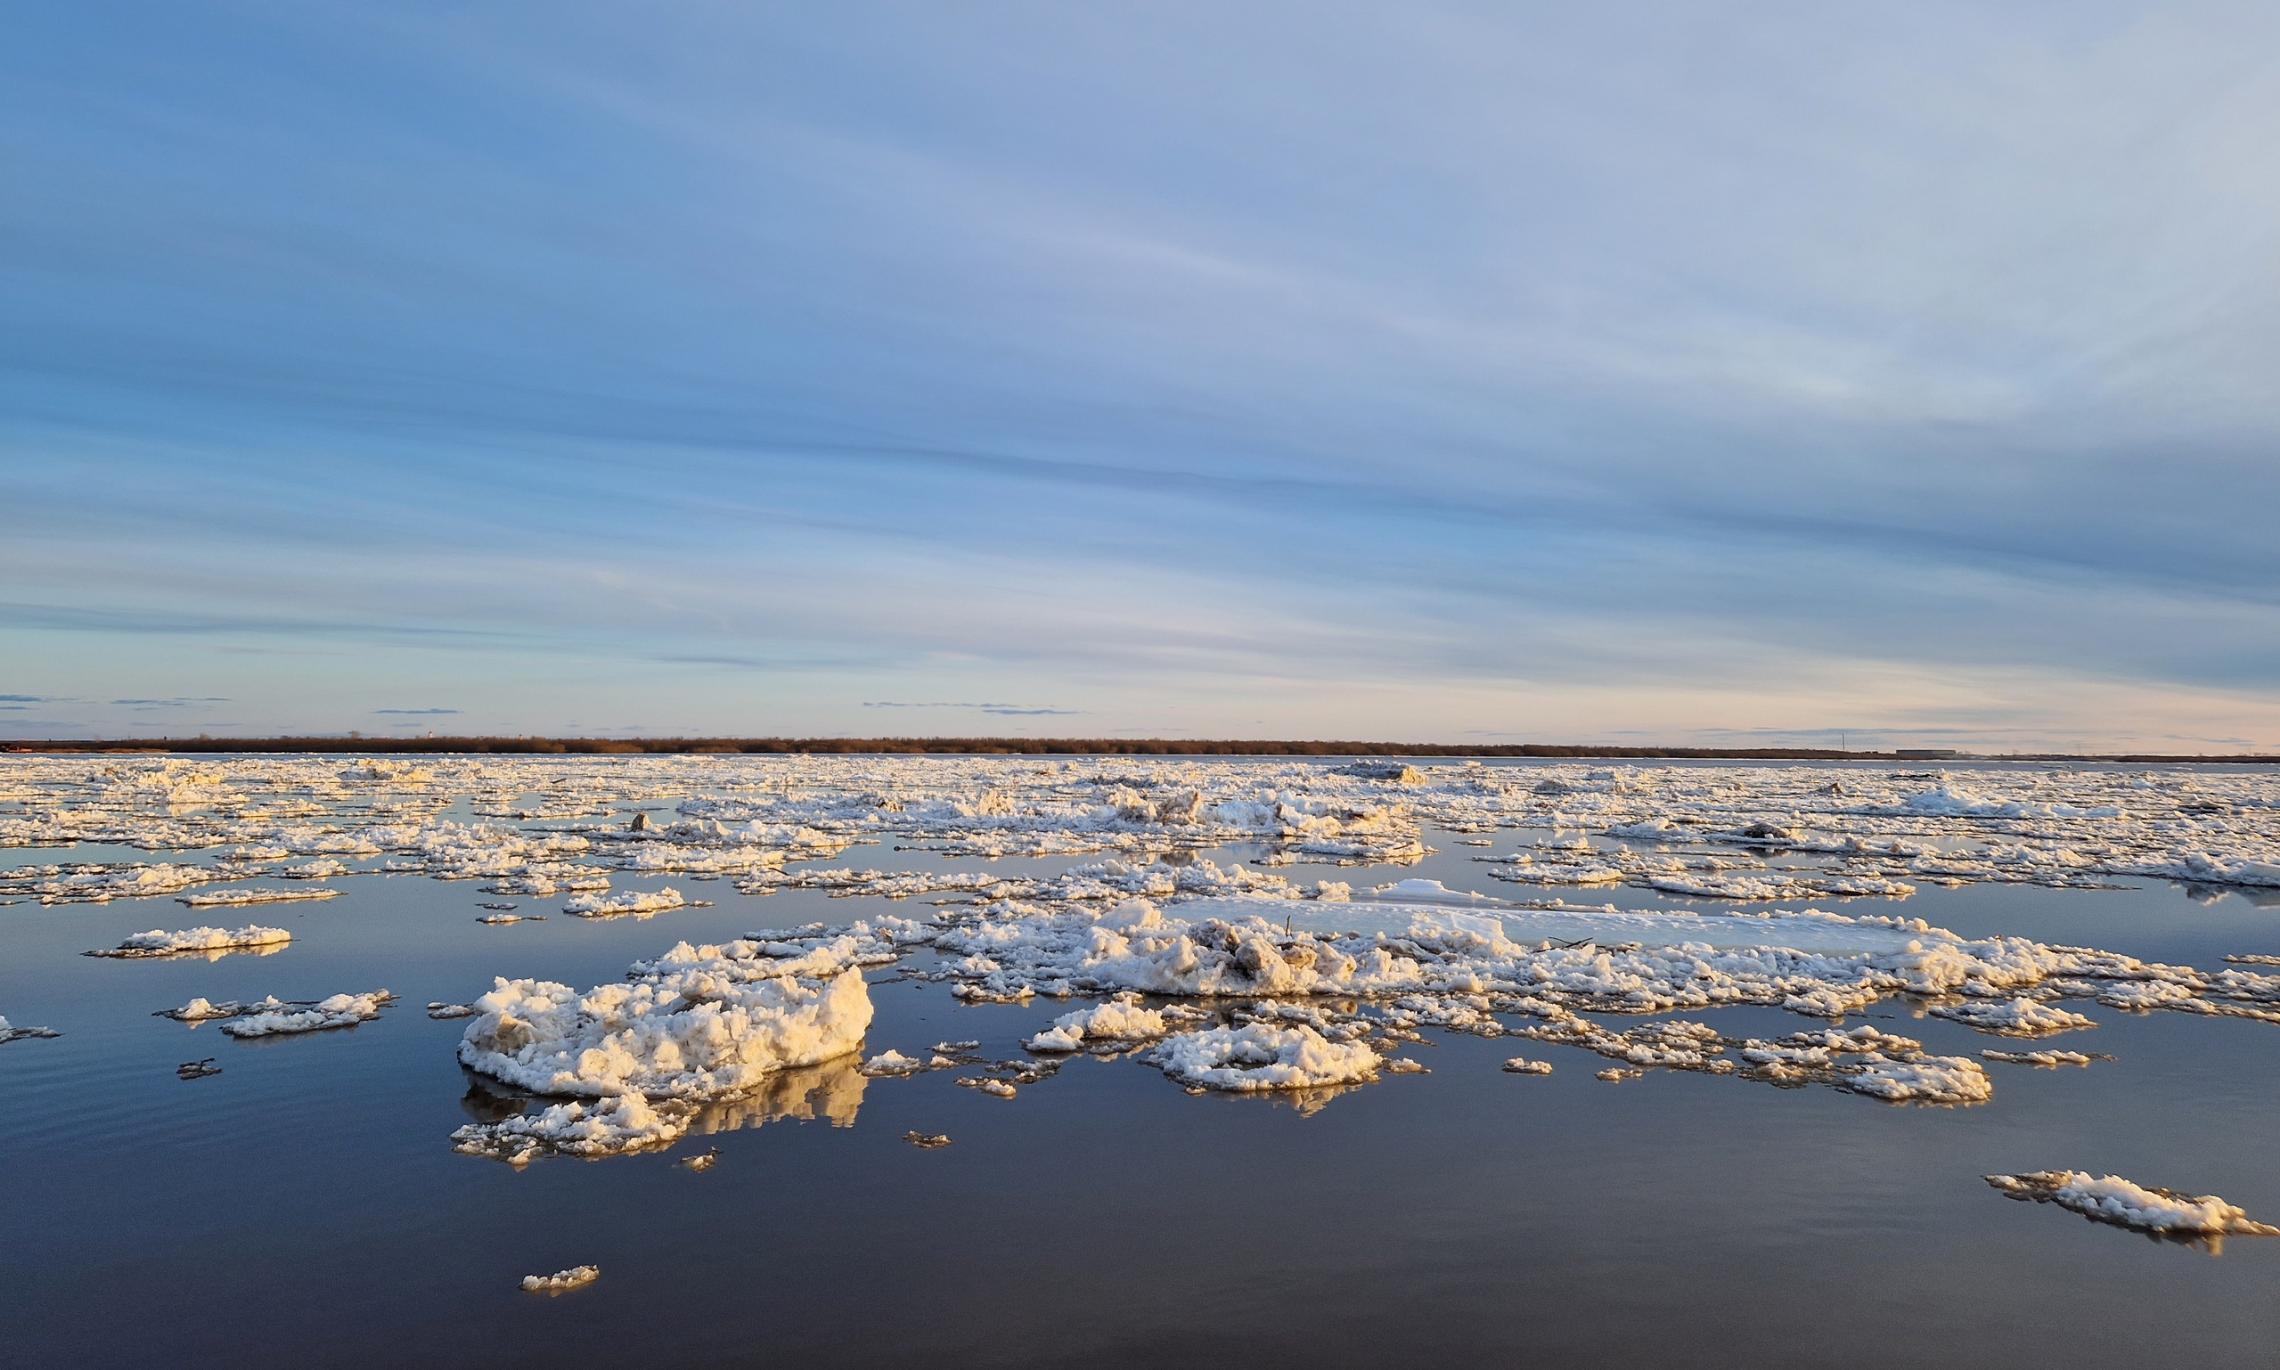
(230,898)
(1923,1079)
(1259,1057)
(2112,1199)
(190,940)
(926,1141)
(700,1033)
(1119,1020)
(204,1010)
(338,1011)
(1956,802)
(1421,891)
(2014,1017)
(1748,889)
(562,1281)
(1392,772)
(637,903)
(1521,1065)
(1649,829)
(2043,1058)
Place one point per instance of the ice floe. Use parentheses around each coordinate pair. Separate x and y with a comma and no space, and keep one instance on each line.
(632,903)
(336,1011)
(1257,1057)
(708,1030)
(190,941)
(2112,1199)
(229,898)
(562,1281)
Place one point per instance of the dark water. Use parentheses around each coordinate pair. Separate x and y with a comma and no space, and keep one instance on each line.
(305,1207)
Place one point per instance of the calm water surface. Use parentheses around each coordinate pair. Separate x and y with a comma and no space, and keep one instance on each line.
(305,1206)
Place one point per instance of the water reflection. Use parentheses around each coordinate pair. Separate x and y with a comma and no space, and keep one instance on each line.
(831,1093)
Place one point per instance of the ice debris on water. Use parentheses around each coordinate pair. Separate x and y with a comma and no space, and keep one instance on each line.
(2021,1017)
(1521,1065)
(1149,900)
(2045,1058)
(2112,1199)
(1258,1057)
(632,903)
(231,898)
(562,1281)
(190,941)
(337,1011)
(1121,1019)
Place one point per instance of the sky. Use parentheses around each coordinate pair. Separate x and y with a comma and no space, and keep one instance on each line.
(1761,374)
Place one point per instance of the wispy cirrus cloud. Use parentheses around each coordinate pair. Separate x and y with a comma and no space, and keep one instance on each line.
(1711,373)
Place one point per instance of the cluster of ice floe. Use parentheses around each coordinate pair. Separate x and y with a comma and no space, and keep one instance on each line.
(193,941)
(1174,912)
(1863,1060)
(2112,1199)
(545,826)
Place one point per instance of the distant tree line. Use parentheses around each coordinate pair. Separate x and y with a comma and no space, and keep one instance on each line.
(996,746)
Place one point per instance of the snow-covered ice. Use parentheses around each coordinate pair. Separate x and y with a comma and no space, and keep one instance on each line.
(188,941)
(2123,1203)
(336,1011)
(562,1281)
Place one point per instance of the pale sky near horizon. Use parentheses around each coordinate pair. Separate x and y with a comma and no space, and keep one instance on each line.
(1697,374)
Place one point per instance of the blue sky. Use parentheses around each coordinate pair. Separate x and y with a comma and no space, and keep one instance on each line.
(1496,372)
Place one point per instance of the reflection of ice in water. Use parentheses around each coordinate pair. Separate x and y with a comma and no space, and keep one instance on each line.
(519,1128)
(829,1093)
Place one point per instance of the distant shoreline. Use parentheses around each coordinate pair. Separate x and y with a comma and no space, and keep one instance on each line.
(1041,746)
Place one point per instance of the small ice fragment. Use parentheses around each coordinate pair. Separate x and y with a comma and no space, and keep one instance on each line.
(562,1281)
